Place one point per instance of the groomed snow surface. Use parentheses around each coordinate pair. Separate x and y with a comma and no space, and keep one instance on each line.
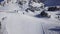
(18,23)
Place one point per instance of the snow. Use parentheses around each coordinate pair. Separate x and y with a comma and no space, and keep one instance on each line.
(37,4)
(18,23)
(14,22)
(22,25)
(10,7)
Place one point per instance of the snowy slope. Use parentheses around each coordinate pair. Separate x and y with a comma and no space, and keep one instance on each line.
(17,23)
(21,25)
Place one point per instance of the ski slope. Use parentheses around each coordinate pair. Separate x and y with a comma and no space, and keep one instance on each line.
(14,22)
(18,23)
